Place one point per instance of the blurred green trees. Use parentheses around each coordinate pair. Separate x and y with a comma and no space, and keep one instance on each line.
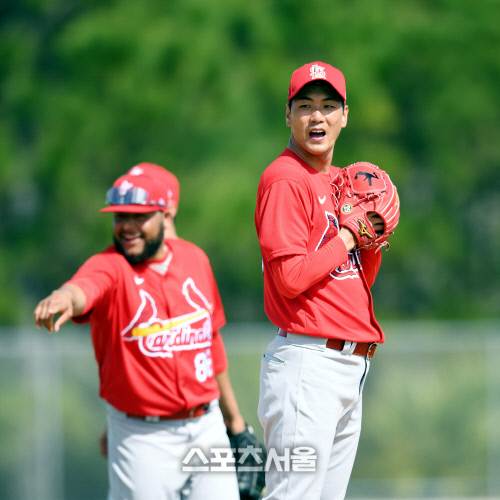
(90,88)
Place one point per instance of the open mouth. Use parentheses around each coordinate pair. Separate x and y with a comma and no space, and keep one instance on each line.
(317,134)
(129,239)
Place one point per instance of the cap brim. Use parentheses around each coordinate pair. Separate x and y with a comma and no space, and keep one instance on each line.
(317,80)
(133,209)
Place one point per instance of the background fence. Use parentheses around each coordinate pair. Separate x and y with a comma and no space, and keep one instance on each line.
(431,411)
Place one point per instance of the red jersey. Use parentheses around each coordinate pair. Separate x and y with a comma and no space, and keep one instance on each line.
(296,215)
(154,326)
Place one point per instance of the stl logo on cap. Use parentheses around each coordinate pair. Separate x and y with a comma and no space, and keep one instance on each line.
(317,71)
(313,71)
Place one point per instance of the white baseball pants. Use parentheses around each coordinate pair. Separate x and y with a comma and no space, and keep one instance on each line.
(310,396)
(145,459)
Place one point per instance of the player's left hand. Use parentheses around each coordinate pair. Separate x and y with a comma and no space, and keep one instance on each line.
(377,223)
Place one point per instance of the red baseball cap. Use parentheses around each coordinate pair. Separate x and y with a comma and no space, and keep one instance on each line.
(317,71)
(167,179)
(136,194)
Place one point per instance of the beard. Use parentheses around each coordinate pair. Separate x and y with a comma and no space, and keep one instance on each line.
(150,248)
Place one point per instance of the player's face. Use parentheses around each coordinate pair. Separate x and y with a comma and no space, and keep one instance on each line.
(316,119)
(139,237)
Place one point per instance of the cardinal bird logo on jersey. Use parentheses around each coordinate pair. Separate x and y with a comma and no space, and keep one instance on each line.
(159,337)
(350,268)
(332,229)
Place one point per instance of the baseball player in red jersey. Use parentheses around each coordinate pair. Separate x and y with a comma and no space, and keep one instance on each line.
(317,292)
(155,313)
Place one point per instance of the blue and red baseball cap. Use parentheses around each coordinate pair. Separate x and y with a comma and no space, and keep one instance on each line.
(136,194)
(317,71)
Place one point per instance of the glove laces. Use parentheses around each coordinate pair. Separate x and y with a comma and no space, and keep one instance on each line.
(370,197)
(337,184)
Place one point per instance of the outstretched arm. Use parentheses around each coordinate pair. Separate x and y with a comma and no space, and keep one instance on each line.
(68,301)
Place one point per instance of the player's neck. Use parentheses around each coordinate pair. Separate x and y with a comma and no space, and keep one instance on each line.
(321,163)
(170,234)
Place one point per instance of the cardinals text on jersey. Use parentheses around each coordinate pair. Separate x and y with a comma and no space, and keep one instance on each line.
(159,337)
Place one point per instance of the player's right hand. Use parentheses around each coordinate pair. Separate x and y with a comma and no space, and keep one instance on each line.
(58,302)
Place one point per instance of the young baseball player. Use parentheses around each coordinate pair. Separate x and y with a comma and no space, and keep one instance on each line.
(155,313)
(317,292)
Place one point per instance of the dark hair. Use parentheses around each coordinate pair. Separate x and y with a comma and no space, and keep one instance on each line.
(335,95)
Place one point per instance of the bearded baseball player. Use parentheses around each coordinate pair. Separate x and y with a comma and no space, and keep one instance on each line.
(317,280)
(155,313)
